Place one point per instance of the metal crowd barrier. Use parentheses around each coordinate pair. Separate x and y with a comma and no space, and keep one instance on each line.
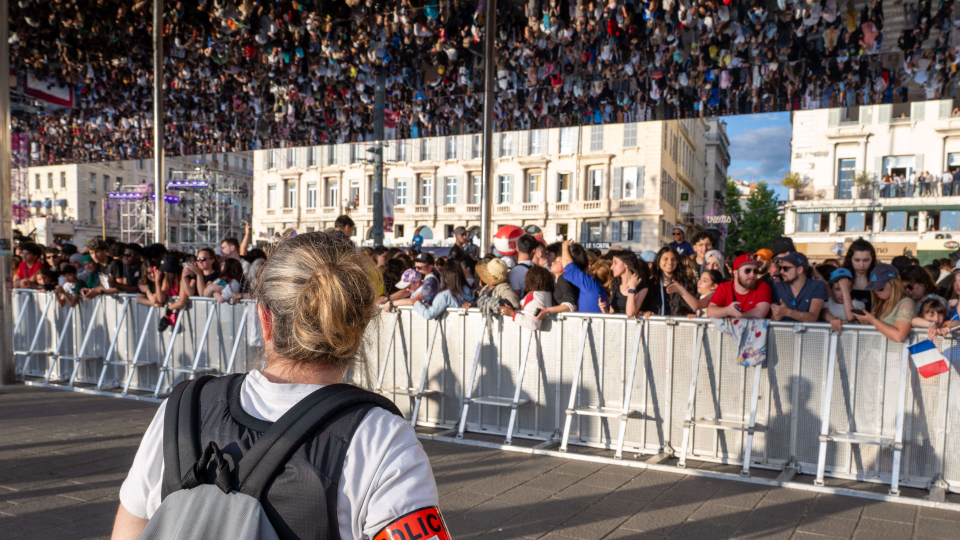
(112,342)
(632,393)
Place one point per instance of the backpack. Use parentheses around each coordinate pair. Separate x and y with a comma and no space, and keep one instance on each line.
(210,497)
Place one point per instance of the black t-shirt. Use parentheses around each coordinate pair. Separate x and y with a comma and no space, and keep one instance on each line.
(115,268)
(618,301)
(564,291)
(132,274)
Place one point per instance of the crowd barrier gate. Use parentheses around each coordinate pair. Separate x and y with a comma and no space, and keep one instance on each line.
(469,382)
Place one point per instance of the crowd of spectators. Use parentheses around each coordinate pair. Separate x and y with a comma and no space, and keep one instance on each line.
(251,74)
(530,280)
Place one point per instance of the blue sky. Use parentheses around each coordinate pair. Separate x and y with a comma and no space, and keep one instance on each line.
(760,148)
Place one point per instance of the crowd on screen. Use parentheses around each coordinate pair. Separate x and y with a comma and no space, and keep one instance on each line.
(529,280)
(250,74)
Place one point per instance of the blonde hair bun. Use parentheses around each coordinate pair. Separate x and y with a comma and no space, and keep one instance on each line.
(321,295)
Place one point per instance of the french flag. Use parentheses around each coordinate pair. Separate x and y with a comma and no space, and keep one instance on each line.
(928,359)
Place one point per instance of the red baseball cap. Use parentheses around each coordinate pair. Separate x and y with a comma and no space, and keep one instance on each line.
(746,258)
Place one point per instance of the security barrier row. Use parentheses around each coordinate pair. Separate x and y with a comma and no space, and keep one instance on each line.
(845,405)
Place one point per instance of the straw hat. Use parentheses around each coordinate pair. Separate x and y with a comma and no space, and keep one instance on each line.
(493,273)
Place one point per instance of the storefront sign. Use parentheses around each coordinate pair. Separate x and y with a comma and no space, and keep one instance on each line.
(596,245)
(829,209)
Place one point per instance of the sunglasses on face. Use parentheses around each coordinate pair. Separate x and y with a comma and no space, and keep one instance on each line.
(749,271)
(787,267)
(127,255)
(420,267)
(202,259)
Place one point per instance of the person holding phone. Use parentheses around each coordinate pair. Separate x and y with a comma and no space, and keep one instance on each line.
(746,297)
(893,310)
(666,271)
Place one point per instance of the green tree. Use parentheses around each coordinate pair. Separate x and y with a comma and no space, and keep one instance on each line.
(733,238)
(762,222)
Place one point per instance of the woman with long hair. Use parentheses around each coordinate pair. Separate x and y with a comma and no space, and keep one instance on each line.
(893,310)
(667,269)
(227,286)
(316,298)
(714,260)
(918,284)
(539,286)
(454,293)
(706,286)
(860,259)
(629,287)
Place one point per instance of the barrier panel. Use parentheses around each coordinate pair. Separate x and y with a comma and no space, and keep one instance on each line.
(788,432)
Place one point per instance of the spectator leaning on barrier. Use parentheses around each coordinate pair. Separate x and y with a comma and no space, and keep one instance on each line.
(591,292)
(454,293)
(932,315)
(539,286)
(52,258)
(131,267)
(706,286)
(714,260)
(27,270)
(630,284)
(893,310)
(69,292)
(409,284)
(227,287)
(743,297)
(765,256)
(840,305)
(860,260)
(565,295)
(667,269)
(796,297)
(681,246)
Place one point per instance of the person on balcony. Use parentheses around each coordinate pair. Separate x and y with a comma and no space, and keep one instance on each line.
(946,183)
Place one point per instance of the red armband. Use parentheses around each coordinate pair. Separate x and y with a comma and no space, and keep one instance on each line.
(423,524)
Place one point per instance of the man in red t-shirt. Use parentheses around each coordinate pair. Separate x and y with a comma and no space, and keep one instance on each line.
(27,271)
(745,297)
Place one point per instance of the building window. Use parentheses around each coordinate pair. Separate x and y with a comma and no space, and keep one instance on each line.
(311,156)
(808,222)
(536,142)
(63,180)
(476,183)
(563,187)
(451,192)
(595,189)
(668,188)
(503,191)
(93,182)
(271,232)
(49,180)
(895,221)
(476,148)
(850,115)
(291,157)
(426,190)
(953,162)
(354,193)
(291,200)
(331,154)
(272,196)
(93,211)
(243,164)
(950,220)
(139,164)
(845,179)
(398,231)
(631,184)
(448,231)
(630,135)
(312,195)
(333,193)
(507,147)
(106,183)
(428,149)
(37,176)
(855,222)
(592,231)
(566,140)
(311,229)
(401,194)
(534,189)
(453,149)
(596,138)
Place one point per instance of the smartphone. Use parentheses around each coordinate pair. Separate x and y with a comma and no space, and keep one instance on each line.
(859,312)
(537,311)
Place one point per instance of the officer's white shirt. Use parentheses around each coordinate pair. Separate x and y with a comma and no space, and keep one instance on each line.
(386,472)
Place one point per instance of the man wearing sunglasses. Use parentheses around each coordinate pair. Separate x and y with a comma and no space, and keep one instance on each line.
(679,241)
(797,298)
(745,297)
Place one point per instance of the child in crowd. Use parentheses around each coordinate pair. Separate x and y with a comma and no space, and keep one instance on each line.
(68,293)
(46,280)
(933,316)
(228,286)
(539,286)
(841,304)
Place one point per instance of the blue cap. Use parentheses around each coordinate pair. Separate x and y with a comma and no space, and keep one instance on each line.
(648,256)
(417,240)
(840,273)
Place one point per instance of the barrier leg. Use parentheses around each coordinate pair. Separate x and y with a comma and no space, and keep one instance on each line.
(898,436)
(571,408)
(36,336)
(423,377)
(383,365)
(637,340)
(166,358)
(79,358)
(471,381)
(113,342)
(691,400)
(825,409)
(751,427)
(534,336)
(236,340)
(136,354)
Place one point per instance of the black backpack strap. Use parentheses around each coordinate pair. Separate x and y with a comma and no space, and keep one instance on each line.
(181,433)
(291,430)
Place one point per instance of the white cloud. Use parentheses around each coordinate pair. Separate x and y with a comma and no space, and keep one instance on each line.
(761,154)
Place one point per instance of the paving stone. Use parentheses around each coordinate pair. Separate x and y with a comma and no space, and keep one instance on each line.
(702,530)
(939,513)
(839,506)
(875,529)
(615,505)
(589,526)
(904,513)
(719,514)
(660,520)
(552,482)
(606,480)
(938,528)
(754,528)
(828,526)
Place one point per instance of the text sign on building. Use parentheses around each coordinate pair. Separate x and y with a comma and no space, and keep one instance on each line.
(828,209)
(596,245)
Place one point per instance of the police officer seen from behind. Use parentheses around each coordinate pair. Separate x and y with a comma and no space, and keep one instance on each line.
(359,472)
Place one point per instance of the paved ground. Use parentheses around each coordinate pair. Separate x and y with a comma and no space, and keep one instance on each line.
(63,457)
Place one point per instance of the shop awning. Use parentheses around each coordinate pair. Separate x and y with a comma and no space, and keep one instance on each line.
(60,202)
(47,203)
(36,204)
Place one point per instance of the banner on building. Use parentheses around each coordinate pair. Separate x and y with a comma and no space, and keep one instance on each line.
(388,202)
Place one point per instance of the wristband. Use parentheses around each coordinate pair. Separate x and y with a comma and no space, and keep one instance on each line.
(631,291)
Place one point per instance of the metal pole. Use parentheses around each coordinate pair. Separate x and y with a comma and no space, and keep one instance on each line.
(380,98)
(7,364)
(489,72)
(159,221)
